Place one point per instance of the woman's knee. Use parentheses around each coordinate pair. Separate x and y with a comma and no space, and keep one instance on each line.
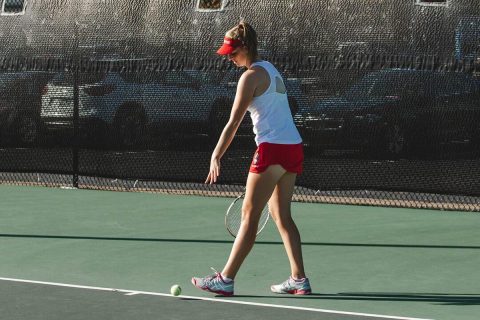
(283,220)
(250,216)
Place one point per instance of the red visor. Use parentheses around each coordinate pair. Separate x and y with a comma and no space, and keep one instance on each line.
(229,45)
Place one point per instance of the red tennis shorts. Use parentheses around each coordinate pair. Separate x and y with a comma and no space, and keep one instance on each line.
(289,156)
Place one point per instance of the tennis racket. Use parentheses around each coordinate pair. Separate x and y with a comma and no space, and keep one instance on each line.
(233,217)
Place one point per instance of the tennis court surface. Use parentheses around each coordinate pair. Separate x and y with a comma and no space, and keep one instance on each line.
(85,254)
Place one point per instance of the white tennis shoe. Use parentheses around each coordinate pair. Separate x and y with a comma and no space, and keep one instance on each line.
(292,286)
(214,283)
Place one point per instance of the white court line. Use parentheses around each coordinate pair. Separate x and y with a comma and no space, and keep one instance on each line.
(135,292)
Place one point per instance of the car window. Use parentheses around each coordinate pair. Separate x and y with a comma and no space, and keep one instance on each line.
(464,84)
(25,82)
(9,80)
(202,76)
(390,87)
(422,83)
(384,84)
(363,87)
(66,78)
(181,79)
(177,78)
(448,84)
(12,87)
(6,80)
(142,77)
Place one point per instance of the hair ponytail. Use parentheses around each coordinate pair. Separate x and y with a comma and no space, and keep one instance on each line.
(245,32)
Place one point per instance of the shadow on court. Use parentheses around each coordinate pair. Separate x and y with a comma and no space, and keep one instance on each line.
(443,298)
(333,244)
(39,302)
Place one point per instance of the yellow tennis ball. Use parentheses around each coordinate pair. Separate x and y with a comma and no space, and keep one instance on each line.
(175,290)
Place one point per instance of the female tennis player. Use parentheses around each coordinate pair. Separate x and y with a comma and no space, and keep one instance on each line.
(275,165)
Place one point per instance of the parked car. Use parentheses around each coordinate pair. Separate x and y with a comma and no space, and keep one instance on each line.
(20,96)
(128,106)
(394,110)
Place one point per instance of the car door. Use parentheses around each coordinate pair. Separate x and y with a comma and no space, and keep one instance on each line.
(147,89)
(465,100)
(184,95)
(366,108)
(7,99)
(450,110)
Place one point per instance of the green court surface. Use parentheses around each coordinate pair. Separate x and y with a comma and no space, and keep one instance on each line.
(360,260)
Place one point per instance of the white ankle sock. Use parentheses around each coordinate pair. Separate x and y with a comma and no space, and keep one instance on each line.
(298,280)
(226,279)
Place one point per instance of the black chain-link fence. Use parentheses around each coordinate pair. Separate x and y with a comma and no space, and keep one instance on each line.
(132,97)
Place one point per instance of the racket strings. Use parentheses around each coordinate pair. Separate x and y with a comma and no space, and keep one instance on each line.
(233,218)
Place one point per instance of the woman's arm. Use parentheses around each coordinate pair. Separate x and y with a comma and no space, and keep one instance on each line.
(245,91)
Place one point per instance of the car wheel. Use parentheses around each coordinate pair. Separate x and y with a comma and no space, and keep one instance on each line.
(130,127)
(395,140)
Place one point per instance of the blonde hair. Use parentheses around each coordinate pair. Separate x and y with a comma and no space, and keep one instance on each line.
(245,32)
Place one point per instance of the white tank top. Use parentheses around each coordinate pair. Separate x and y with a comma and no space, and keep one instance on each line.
(270,113)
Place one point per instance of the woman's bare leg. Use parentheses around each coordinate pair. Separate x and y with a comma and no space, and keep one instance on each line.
(258,190)
(279,205)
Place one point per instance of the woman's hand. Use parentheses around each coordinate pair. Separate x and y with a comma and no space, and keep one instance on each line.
(214,170)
